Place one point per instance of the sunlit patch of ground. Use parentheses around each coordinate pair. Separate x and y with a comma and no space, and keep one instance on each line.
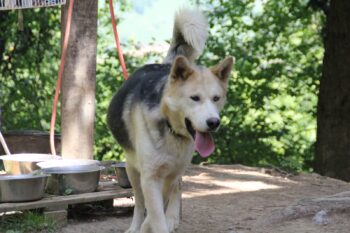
(225,187)
(232,181)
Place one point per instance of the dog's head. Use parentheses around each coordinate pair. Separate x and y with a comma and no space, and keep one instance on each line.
(195,95)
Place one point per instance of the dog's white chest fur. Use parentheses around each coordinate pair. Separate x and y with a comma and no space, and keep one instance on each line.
(158,150)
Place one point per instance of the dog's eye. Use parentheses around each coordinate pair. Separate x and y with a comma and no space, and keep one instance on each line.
(195,98)
(216,98)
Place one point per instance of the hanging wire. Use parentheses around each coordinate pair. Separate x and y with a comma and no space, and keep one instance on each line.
(23,4)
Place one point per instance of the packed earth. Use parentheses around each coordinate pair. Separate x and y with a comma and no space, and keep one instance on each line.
(240,199)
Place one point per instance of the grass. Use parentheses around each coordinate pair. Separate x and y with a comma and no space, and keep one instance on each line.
(28,222)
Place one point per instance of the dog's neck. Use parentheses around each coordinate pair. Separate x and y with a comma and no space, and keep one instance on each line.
(172,131)
(175,122)
(176,125)
(189,128)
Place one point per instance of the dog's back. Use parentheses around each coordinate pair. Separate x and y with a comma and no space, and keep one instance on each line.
(138,89)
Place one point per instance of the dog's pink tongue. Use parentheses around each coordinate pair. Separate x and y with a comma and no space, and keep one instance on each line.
(204,143)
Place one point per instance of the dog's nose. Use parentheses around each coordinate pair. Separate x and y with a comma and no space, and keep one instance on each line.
(213,123)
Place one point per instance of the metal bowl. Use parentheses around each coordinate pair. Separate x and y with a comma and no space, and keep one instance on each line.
(67,163)
(67,180)
(25,163)
(18,188)
(122,176)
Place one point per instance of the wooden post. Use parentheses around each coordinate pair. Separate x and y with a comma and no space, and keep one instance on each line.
(78,82)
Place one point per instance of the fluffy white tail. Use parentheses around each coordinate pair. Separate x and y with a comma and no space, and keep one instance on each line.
(189,35)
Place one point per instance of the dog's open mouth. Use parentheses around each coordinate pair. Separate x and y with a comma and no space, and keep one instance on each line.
(204,142)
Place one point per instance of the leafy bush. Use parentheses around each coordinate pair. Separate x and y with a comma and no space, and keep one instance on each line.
(28,67)
(270,115)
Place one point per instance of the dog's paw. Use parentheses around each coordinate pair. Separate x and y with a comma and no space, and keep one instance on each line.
(173,224)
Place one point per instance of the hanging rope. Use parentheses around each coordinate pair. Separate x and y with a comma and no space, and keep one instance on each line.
(116,37)
(59,79)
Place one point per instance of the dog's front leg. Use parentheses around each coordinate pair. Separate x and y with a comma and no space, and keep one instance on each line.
(174,205)
(152,190)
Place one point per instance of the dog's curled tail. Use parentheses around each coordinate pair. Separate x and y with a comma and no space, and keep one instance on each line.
(190,34)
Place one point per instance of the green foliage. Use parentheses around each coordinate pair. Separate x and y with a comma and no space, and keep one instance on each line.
(28,222)
(270,114)
(28,67)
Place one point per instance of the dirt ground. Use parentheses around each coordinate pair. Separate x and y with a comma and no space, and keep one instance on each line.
(239,199)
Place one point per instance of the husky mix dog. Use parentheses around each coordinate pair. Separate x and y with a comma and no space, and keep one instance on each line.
(161,114)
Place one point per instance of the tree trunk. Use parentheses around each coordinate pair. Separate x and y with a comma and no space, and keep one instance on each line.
(333,113)
(78,82)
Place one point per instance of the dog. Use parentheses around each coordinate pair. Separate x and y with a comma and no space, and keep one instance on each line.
(161,114)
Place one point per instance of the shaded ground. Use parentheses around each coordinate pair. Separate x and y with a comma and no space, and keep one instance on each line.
(238,199)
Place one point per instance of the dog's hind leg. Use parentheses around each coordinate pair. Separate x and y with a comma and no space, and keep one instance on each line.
(152,189)
(139,210)
(173,208)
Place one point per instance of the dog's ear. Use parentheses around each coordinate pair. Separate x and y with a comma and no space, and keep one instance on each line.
(181,69)
(223,69)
